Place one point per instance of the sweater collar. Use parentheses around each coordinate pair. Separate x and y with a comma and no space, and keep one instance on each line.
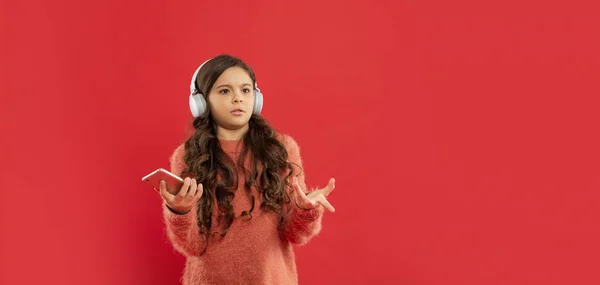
(231,146)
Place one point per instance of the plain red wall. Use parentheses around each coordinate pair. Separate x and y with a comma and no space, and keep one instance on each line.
(463,136)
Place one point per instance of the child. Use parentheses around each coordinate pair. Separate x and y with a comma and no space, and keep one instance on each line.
(244,201)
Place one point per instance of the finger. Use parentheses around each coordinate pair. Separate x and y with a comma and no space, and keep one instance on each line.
(184,188)
(306,202)
(199,192)
(193,189)
(300,192)
(326,204)
(303,199)
(329,187)
(163,191)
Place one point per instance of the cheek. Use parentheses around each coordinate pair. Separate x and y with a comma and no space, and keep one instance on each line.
(250,100)
(216,107)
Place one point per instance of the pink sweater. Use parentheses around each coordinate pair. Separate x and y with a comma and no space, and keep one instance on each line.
(251,252)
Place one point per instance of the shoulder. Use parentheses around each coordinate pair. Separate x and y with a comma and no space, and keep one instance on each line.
(291,147)
(288,142)
(178,152)
(177,159)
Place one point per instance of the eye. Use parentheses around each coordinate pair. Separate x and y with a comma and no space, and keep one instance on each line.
(224,91)
(246,90)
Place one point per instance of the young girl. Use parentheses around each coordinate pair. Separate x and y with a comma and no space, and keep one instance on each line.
(244,201)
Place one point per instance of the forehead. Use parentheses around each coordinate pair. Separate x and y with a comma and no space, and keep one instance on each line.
(234,75)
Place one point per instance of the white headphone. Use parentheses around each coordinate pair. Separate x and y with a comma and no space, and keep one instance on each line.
(198,104)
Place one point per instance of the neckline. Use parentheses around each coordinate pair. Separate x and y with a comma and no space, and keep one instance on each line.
(231,145)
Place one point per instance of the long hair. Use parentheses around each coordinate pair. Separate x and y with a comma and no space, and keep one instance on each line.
(268,169)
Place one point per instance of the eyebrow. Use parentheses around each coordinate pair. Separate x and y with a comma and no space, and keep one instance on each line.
(227,85)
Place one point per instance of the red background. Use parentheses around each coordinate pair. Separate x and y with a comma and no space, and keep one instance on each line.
(463,136)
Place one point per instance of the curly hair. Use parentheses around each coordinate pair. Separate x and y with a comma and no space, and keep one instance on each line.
(268,169)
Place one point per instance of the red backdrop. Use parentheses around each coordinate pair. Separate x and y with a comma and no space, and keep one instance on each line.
(463,137)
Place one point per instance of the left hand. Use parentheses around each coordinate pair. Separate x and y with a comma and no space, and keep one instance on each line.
(314,198)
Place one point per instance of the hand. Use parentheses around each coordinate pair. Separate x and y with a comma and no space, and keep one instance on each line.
(314,198)
(185,199)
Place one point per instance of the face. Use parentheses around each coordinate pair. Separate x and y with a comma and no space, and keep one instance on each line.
(231,99)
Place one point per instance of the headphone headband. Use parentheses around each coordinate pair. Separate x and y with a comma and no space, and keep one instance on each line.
(193,88)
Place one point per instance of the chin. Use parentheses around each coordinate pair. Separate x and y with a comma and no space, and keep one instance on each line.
(236,125)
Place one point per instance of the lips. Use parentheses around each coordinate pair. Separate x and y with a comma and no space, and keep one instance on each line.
(237,112)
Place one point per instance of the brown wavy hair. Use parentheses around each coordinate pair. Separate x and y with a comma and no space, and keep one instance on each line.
(268,170)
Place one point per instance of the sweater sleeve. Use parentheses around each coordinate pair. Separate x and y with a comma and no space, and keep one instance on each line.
(182,230)
(302,225)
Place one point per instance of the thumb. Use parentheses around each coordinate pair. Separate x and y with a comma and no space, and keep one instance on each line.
(163,191)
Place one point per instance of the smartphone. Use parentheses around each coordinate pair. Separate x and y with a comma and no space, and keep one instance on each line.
(174,182)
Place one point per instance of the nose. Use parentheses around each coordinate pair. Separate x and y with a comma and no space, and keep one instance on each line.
(237,97)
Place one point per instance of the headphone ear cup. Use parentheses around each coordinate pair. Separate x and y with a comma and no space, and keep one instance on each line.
(258,102)
(197,105)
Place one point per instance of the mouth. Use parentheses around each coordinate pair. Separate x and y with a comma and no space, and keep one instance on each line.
(237,112)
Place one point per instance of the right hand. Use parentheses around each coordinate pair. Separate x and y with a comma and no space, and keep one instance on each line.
(185,199)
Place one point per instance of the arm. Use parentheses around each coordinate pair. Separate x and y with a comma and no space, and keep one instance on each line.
(302,225)
(182,230)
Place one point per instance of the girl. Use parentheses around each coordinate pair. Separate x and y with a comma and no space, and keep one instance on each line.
(244,200)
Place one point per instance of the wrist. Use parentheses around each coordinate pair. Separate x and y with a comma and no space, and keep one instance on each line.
(177,212)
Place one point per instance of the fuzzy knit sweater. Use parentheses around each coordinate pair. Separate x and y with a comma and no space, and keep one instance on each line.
(252,252)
